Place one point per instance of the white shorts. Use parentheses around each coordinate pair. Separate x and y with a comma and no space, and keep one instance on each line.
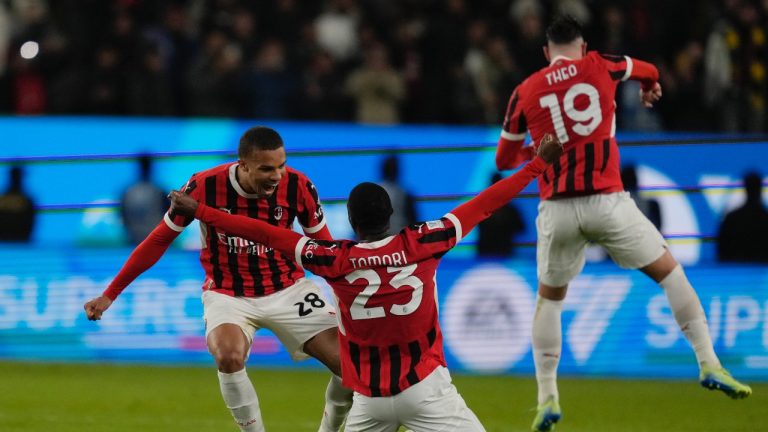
(564,227)
(431,405)
(294,315)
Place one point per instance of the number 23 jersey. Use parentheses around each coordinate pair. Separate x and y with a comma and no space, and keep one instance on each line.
(574,99)
(390,338)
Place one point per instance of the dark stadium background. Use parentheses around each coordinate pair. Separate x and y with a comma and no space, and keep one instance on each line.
(88,86)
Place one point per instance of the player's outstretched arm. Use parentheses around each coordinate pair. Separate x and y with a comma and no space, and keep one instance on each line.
(494,197)
(283,240)
(146,254)
(648,75)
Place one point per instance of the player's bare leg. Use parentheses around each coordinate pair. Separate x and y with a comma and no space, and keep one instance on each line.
(689,314)
(547,346)
(229,347)
(338,399)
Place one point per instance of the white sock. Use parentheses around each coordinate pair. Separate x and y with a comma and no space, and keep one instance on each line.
(547,345)
(338,401)
(689,315)
(241,399)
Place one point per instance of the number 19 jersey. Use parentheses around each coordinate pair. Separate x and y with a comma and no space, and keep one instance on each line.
(575,99)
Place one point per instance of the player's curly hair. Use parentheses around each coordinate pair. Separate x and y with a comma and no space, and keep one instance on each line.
(258,138)
(564,30)
(369,208)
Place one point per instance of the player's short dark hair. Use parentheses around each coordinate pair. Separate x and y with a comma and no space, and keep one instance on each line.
(369,208)
(258,138)
(564,30)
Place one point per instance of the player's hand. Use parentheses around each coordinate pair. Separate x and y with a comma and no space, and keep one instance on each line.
(95,307)
(649,97)
(549,148)
(182,204)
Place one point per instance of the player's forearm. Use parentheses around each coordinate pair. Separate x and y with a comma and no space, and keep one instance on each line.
(144,256)
(281,239)
(494,197)
(645,72)
(510,154)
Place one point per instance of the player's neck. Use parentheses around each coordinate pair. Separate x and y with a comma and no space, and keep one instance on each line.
(371,237)
(555,55)
(238,175)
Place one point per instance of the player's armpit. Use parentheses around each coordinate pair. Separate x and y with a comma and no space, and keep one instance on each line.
(146,254)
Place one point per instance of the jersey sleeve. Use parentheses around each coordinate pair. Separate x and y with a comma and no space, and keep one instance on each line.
(146,254)
(311,216)
(179,222)
(431,238)
(322,257)
(622,68)
(510,151)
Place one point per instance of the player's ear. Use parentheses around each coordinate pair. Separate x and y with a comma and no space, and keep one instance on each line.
(583,49)
(546,53)
(241,163)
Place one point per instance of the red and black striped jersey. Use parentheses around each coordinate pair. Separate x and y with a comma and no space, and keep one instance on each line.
(389,335)
(390,338)
(240,267)
(575,99)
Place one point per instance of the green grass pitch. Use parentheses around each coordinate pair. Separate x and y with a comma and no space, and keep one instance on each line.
(83,398)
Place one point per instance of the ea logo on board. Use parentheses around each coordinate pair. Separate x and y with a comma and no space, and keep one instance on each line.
(278,213)
(487,318)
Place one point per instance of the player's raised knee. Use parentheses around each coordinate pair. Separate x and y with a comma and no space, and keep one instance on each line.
(230,362)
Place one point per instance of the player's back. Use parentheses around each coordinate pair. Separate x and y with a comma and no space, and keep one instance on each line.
(385,290)
(575,99)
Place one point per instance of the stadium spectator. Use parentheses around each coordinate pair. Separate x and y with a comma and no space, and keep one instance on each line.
(743,235)
(336,29)
(377,88)
(390,337)
(214,76)
(269,84)
(143,204)
(150,87)
(248,285)
(323,96)
(17,210)
(107,91)
(403,202)
(582,200)
(649,207)
(496,234)
(428,41)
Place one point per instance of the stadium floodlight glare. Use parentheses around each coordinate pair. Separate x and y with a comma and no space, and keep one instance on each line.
(29,50)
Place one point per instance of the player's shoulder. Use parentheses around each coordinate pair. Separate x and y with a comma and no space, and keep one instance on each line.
(530,82)
(604,58)
(303,178)
(430,227)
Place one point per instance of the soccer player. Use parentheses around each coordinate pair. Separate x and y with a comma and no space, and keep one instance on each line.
(390,338)
(250,285)
(583,199)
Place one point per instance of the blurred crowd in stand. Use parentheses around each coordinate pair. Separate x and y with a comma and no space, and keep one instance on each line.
(372,61)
